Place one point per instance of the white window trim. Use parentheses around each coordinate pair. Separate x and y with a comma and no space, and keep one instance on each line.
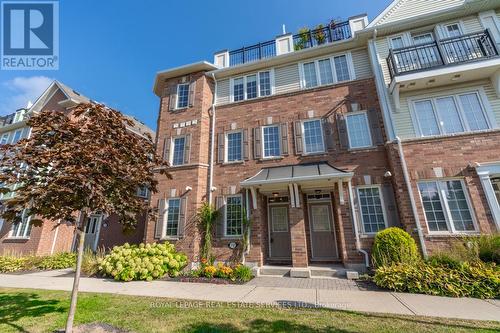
(382,203)
(446,209)
(263,142)
(177,107)
(226,146)
(483,100)
(225,216)
(444,28)
(7,135)
(172,149)
(139,194)
(11,138)
(304,137)
(244,77)
(367,125)
(11,236)
(165,219)
(279,205)
(350,66)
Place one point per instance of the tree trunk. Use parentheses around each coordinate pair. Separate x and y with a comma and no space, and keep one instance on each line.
(80,230)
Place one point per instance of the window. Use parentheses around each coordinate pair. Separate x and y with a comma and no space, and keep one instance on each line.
(238,89)
(4,139)
(142,191)
(271,141)
(234,215)
(397,42)
(252,86)
(450,114)
(173,216)
(22,228)
(371,207)
(265,83)
(17,136)
(310,75)
(358,130)
(453,30)
(313,136)
(178,151)
(326,71)
(234,142)
(182,95)
(446,206)
(341,68)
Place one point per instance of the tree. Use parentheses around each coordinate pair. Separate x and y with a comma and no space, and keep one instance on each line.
(77,163)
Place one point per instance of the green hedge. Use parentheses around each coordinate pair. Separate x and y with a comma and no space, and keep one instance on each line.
(477,279)
(11,263)
(394,245)
(142,262)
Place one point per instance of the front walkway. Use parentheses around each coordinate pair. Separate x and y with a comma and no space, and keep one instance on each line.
(281,292)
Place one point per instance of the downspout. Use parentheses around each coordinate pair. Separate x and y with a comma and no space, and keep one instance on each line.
(412,198)
(55,237)
(212,143)
(355,222)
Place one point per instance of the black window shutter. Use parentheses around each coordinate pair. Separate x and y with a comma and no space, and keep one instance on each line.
(219,225)
(182,216)
(328,133)
(192,90)
(166,149)
(172,102)
(245,145)
(391,208)
(187,149)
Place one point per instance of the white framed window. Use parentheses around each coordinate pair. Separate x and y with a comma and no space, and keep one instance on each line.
(446,206)
(173,217)
(252,86)
(234,146)
(182,95)
(178,151)
(453,30)
(234,216)
(5,139)
(271,141)
(313,136)
(142,191)
(17,136)
(327,71)
(358,130)
(371,206)
(397,42)
(464,112)
(22,229)
(279,216)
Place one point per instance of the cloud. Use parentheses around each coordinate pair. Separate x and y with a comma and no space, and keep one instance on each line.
(20,90)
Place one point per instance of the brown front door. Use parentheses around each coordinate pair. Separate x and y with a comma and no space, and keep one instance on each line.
(323,243)
(279,232)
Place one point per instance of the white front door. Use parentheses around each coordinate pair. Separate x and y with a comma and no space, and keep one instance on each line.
(92,231)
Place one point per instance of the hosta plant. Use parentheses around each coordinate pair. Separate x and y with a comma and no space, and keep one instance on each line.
(142,262)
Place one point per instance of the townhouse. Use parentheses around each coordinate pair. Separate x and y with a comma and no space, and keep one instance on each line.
(437,70)
(58,236)
(323,138)
(288,132)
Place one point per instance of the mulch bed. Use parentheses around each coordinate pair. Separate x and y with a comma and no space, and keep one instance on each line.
(201,280)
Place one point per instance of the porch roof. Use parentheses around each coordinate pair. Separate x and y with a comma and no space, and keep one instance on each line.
(297,173)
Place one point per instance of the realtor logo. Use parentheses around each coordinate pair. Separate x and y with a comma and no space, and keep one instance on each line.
(30,35)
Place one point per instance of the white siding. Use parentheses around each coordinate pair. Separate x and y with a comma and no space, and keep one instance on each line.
(223,92)
(361,62)
(286,78)
(383,47)
(411,8)
(402,119)
(472,24)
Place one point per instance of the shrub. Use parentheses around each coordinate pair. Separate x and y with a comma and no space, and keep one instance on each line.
(10,263)
(13,263)
(91,260)
(476,279)
(142,262)
(443,259)
(489,248)
(394,245)
(56,261)
(242,273)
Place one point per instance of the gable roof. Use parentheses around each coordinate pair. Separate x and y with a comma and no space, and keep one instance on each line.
(404,9)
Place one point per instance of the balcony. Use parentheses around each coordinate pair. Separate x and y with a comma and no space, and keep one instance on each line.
(304,39)
(446,52)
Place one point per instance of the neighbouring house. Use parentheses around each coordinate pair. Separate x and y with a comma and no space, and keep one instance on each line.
(57,236)
(325,137)
(437,70)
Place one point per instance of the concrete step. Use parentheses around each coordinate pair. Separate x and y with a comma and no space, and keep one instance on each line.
(275,270)
(328,271)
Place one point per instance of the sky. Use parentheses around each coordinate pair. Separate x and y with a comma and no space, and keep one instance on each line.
(110,51)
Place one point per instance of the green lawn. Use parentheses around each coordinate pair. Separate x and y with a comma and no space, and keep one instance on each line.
(30,310)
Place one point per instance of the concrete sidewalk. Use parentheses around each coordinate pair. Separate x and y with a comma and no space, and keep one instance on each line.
(355,300)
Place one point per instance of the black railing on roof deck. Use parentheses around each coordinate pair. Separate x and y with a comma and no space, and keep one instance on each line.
(449,51)
(252,53)
(331,33)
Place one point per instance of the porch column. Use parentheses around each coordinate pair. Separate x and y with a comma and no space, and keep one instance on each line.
(298,237)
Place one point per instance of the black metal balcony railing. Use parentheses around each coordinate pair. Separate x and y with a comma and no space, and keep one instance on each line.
(449,51)
(332,33)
